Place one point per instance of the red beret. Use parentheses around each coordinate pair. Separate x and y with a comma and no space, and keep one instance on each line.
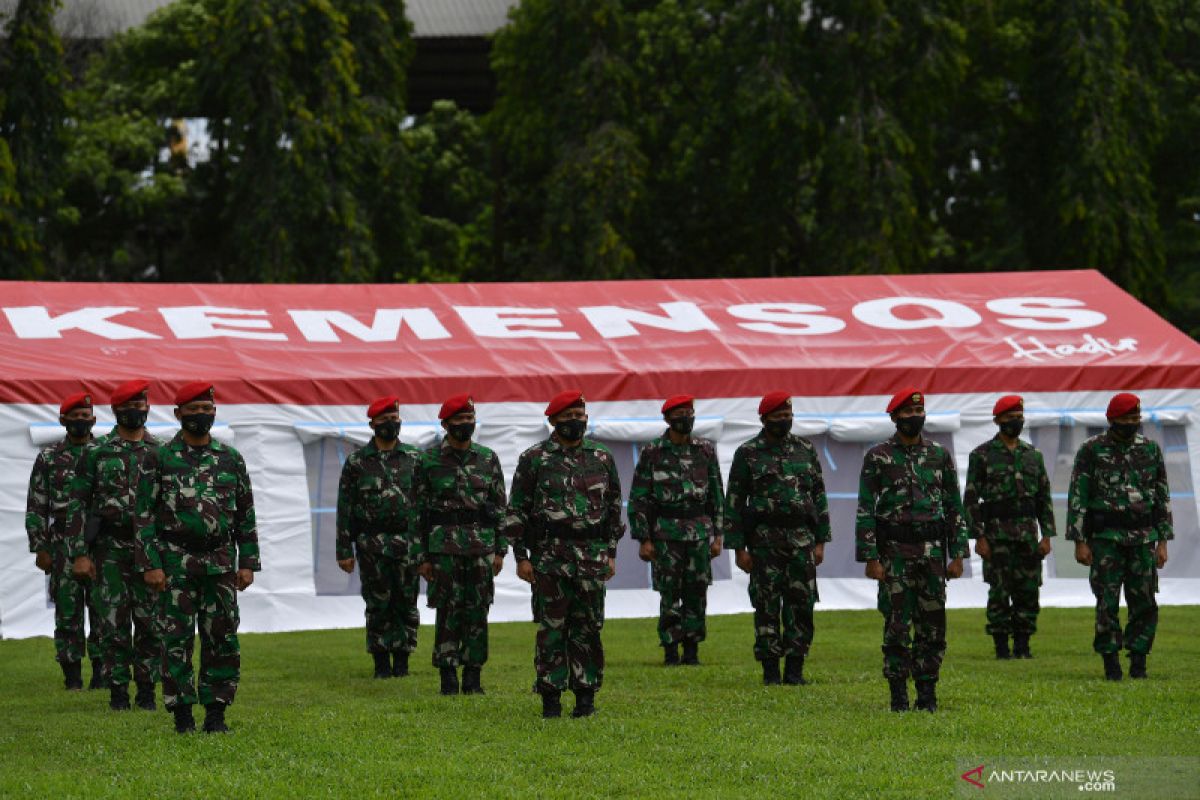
(383,405)
(907,396)
(565,400)
(1122,404)
(1008,403)
(773,401)
(129,390)
(80,400)
(195,390)
(455,404)
(677,401)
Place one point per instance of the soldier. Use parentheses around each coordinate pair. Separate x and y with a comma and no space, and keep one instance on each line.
(564,520)
(1119,516)
(377,522)
(101,544)
(676,511)
(777,523)
(460,488)
(45,522)
(198,545)
(909,521)
(1007,498)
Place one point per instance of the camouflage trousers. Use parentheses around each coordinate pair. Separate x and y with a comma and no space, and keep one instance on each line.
(390,587)
(912,597)
(1115,565)
(783,590)
(681,574)
(461,591)
(207,603)
(570,614)
(1013,574)
(71,598)
(125,602)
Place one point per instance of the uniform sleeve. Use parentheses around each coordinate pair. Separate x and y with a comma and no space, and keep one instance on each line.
(347,496)
(412,513)
(497,501)
(79,505)
(641,497)
(612,501)
(419,534)
(516,521)
(866,546)
(820,503)
(146,555)
(976,480)
(1078,494)
(715,502)
(1045,500)
(1163,525)
(37,506)
(735,502)
(953,511)
(245,529)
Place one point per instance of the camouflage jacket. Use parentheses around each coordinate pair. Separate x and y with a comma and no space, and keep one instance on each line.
(565,507)
(48,502)
(377,504)
(1008,492)
(1129,478)
(106,487)
(676,492)
(468,483)
(909,485)
(195,511)
(776,495)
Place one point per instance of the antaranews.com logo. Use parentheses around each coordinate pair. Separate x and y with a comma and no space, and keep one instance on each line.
(1085,780)
(1103,776)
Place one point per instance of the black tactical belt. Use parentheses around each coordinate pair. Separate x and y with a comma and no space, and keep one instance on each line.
(565,530)
(914,533)
(1010,509)
(786,519)
(462,516)
(1123,520)
(682,512)
(193,544)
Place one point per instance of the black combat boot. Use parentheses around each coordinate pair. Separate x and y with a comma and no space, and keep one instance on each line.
(144,699)
(1021,646)
(793,671)
(926,696)
(899,689)
(97,675)
(1112,666)
(400,664)
(671,655)
(1137,665)
(471,680)
(770,668)
(214,718)
(118,696)
(184,721)
(449,680)
(551,703)
(383,665)
(691,653)
(72,675)
(585,703)
(1001,640)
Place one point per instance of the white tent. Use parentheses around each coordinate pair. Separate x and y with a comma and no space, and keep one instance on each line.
(295,367)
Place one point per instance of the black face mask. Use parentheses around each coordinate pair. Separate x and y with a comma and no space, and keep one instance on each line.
(79,428)
(131,419)
(682,425)
(910,426)
(461,431)
(778,427)
(1126,430)
(1012,427)
(571,430)
(388,431)
(197,424)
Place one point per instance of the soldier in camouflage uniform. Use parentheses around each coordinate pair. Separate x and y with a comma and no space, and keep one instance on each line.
(197,544)
(1007,497)
(461,547)
(101,534)
(777,522)
(676,511)
(377,520)
(564,521)
(1119,516)
(909,521)
(45,523)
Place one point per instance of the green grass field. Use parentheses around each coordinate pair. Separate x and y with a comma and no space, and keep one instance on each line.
(310,721)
